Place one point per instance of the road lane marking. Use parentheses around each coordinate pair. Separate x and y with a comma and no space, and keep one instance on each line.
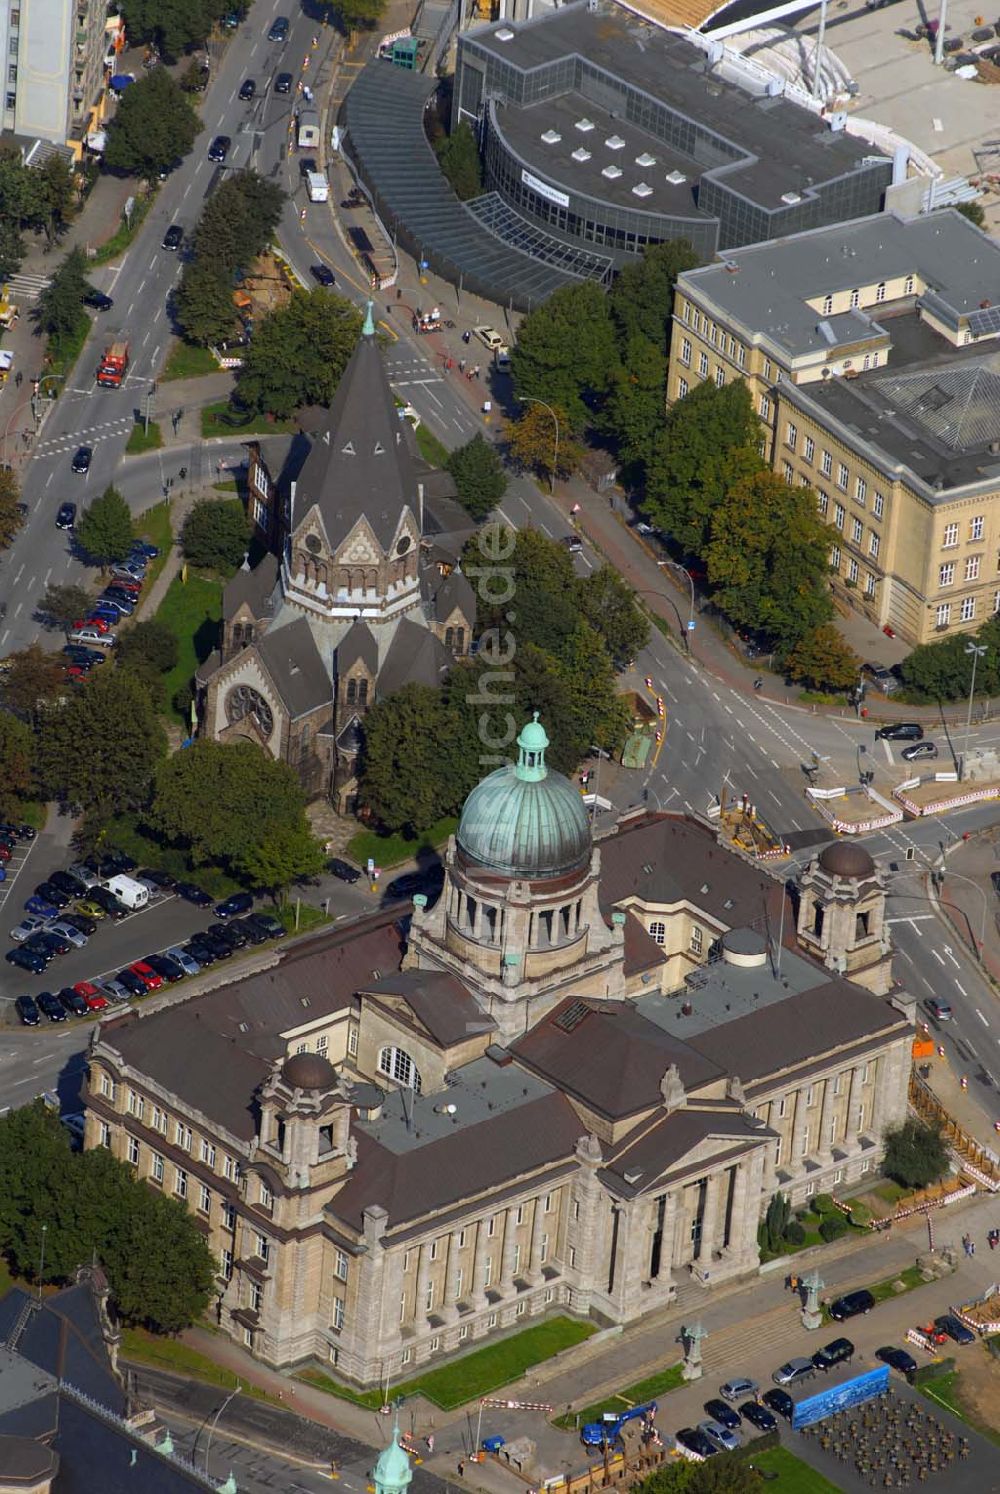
(937,956)
(978,1013)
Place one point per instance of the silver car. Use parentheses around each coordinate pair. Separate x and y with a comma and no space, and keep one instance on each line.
(794,1371)
(31,923)
(187,964)
(67,931)
(739,1390)
(720,1435)
(114,990)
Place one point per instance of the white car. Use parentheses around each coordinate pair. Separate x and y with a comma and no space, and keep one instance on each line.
(489,337)
(67,931)
(30,924)
(187,964)
(92,637)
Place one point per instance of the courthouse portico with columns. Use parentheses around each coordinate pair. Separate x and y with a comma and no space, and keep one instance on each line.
(573,1083)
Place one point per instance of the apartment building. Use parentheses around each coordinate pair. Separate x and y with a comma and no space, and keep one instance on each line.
(872,353)
(53,54)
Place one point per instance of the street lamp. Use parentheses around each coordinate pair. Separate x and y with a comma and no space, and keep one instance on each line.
(530,399)
(941,871)
(215,1419)
(976,651)
(676,565)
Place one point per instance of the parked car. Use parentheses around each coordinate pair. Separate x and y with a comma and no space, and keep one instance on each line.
(897,1359)
(30,924)
(91,909)
(240,902)
(70,883)
(882,678)
(144,550)
(219,949)
(53,894)
(66,516)
(26,959)
(155,880)
(794,1371)
(41,906)
(573,543)
(82,458)
(27,1009)
(838,1351)
(113,907)
(954,1328)
(719,1411)
(133,983)
(723,1438)
(188,964)
(939,1008)
(198,953)
(247,90)
(19,832)
(851,1305)
(780,1402)
(79,922)
(128,570)
(50,1006)
(114,608)
(149,977)
(759,1416)
(115,989)
(173,238)
(271,927)
(901,731)
(919,750)
(694,1439)
(343,870)
(48,943)
(67,931)
(74,1003)
(89,635)
(92,995)
(251,928)
(81,655)
(230,934)
(115,864)
(166,968)
(192,894)
(489,337)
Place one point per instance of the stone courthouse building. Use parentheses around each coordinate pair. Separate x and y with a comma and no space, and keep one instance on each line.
(574,1083)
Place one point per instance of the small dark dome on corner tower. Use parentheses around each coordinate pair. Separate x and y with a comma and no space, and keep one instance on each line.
(842,859)
(309,1071)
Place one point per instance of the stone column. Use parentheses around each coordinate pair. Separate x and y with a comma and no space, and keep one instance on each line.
(392,1292)
(449,1309)
(480,1252)
(423,1282)
(534,1271)
(798,1130)
(824,1145)
(664,1275)
(505,1285)
(851,1133)
(734,1245)
(880,1072)
(710,1220)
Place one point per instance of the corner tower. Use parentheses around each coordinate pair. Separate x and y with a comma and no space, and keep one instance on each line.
(519,920)
(842,915)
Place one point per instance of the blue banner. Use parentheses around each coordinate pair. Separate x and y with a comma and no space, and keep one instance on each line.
(839,1397)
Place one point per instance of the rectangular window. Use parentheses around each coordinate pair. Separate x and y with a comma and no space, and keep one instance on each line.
(968,609)
(433,1252)
(996,601)
(852,570)
(572,1258)
(836,1084)
(108,1087)
(406,1356)
(943,614)
(136,1104)
(230,1169)
(547,1204)
(835,558)
(337,1318)
(860,1118)
(180,1182)
(402,1311)
(810,1097)
(741,356)
(266,1196)
(340,1265)
(226,1265)
(972,568)
(156,1167)
(855,299)
(720,377)
(779,1145)
(576,1201)
(463,1333)
(764,407)
(826,463)
(204,1200)
(491,1227)
(543,1249)
(182,1136)
(808,449)
(228,1216)
(880,291)
(256,1296)
(262,1247)
(781,1108)
(791,436)
(857,531)
(459,1281)
(878,505)
(869,584)
(703,365)
(159,1121)
(839,515)
(873,545)
(352,1040)
(860,490)
(133,1151)
(520,1309)
(104,1136)
(950,536)
(827,305)
(976,528)
(519,1214)
(697,941)
(946,574)
(429,1298)
(248,1338)
(822,502)
(487,1270)
(786,471)
(683,388)
(208,1153)
(767,368)
(843,476)
(686,351)
(804,1147)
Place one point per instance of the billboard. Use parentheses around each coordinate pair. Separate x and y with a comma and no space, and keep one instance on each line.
(839,1397)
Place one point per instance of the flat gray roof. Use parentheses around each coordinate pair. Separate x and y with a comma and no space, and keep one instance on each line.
(765,287)
(480,1091)
(720,992)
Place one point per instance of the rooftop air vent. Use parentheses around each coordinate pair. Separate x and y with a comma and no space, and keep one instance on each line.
(580,154)
(676,178)
(611,172)
(645,159)
(584,125)
(551,137)
(504,34)
(791,199)
(615,142)
(643,189)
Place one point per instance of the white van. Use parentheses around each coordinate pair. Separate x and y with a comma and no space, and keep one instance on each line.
(128,891)
(317,186)
(90,636)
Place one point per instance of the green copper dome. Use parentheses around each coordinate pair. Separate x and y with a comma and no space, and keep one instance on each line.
(525,820)
(392,1472)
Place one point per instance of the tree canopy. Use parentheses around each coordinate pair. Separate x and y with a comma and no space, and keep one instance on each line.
(608,604)
(32,680)
(59,312)
(203,302)
(298,354)
(17,752)
(154,124)
(458,157)
(11,517)
(565,353)
(104,530)
(236,225)
(100,750)
(42,197)
(943,670)
(172,25)
(915,1154)
(216,534)
(822,660)
(63,602)
(541,440)
(479,476)
(148,645)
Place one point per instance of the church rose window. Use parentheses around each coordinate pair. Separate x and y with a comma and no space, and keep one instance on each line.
(313,544)
(403,545)
(243,701)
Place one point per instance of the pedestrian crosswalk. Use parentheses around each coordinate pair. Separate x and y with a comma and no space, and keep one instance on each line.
(26,287)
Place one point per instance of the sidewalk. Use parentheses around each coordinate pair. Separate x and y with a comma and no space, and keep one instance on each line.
(973,910)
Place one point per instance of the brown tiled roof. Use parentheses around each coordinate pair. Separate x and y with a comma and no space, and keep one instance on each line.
(474,1160)
(439,1000)
(657,1145)
(641,950)
(613,1058)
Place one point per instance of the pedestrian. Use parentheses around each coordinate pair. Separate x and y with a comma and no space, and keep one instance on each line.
(466,337)
(399,292)
(476,371)
(451,364)
(461,365)
(487,406)
(429,1439)
(18,379)
(758,683)
(461,1467)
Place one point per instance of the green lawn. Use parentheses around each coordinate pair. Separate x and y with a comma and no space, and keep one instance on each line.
(154,525)
(187,361)
(126,231)
(309,918)
(171,1355)
(431,449)
(220,419)
(946,1390)
(634,1395)
(475,1374)
(882,1291)
(193,611)
(390,850)
(141,440)
(61,354)
(794,1476)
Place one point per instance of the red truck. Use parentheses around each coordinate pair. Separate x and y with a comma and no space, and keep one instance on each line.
(113,365)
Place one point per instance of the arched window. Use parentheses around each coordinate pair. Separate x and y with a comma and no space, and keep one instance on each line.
(352,692)
(398,1065)
(460,640)
(362,692)
(449,637)
(658,931)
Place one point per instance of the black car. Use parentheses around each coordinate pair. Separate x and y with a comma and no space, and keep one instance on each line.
(51,1006)
(955,1328)
(323,274)
(27,1009)
(694,1439)
(66,517)
(158,879)
(19,832)
(74,1003)
(113,906)
(229,934)
(220,950)
(66,882)
(192,894)
(719,1411)
(283,83)
(82,458)
(279,29)
(851,1305)
(897,1359)
(47,943)
(307,164)
(247,89)
(26,959)
(53,894)
(119,594)
(173,238)
(240,902)
(758,1416)
(840,1351)
(199,952)
(133,985)
(343,870)
(429,882)
(781,1402)
(270,927)
(82,925)
(116,864)
(77,654)
(901,731)
(165,966)
(251,928)
(219,149)
(98,300)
